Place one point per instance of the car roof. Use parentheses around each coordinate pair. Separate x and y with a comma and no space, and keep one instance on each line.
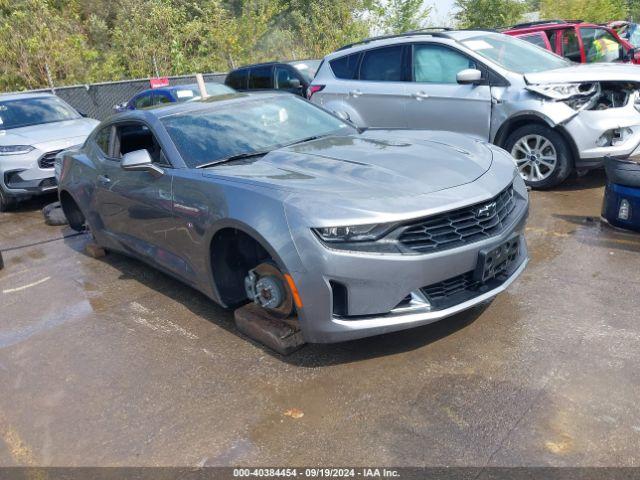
(550,25)
(172,88)
(24,96)
(445,34)
(264,64)
(186,107)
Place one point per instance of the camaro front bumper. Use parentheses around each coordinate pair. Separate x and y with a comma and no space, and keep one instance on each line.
(386,292)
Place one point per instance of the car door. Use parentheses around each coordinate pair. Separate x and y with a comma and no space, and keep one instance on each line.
(378,93)
(136,206)
(437,101)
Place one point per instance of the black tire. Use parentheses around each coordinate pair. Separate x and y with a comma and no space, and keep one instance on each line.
(6,202)
(54,215)
(73,214)
(564,158)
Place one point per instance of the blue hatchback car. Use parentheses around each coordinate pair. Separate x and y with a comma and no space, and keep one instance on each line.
(175,93)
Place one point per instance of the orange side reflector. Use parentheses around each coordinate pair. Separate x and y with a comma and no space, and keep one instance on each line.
(294,290)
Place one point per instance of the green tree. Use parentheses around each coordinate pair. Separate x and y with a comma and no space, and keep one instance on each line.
(488,13)
(397,16)
(588,10)
(38,43)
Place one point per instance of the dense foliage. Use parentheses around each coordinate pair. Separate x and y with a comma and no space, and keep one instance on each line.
(62,42)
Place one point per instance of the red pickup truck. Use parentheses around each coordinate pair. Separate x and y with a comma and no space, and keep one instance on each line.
(576,40)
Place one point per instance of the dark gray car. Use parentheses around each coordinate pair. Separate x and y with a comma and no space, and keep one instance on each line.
(267,197)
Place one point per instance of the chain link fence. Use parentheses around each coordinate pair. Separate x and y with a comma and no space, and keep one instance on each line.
(97,100)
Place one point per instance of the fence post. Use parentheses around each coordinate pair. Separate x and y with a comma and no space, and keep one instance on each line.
(201,86)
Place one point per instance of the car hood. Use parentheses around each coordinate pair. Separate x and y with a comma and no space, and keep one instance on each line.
(589,72)
(48,132)
(376,163)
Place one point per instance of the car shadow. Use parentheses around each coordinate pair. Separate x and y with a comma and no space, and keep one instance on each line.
(592,179)
(311,355)
(34,203)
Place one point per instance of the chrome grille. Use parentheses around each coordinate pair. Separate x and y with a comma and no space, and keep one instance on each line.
(460,227)
(48,159)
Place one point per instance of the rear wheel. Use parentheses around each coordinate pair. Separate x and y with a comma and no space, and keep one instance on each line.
(542,156)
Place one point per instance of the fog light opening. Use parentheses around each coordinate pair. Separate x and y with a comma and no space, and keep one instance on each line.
(612,138)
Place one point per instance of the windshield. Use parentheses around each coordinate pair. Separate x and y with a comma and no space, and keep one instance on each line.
(34,111)
(307,67)
(257,125)
(514,54)
(192,92)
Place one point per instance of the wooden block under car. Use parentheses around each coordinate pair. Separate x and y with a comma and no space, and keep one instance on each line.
(281,335)
(94,250)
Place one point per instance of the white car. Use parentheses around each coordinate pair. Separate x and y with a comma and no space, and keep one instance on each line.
(34,127)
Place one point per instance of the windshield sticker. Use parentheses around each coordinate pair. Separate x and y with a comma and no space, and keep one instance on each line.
(478,45)
(184,93)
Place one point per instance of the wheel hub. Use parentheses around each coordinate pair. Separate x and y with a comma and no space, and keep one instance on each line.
(266,286)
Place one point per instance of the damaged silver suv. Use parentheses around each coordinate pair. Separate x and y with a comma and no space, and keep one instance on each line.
(552,115)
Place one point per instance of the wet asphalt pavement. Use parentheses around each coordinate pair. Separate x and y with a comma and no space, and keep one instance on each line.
(108,362)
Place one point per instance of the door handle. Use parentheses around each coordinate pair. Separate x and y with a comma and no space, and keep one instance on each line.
(104,180)
(420,95)
(355,93)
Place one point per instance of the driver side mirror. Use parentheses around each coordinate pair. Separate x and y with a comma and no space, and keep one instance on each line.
(294,83)
(469,76)
(140,161)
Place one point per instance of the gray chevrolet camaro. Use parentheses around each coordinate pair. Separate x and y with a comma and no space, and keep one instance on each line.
(266,197)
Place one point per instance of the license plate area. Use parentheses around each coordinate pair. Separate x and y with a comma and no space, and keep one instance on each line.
(497,260)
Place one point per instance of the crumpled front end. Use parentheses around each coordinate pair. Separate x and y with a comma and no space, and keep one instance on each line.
(601,117)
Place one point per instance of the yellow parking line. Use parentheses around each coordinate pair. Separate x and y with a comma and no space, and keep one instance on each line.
(18,448)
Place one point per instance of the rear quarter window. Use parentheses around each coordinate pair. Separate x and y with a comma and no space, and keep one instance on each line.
(345,67)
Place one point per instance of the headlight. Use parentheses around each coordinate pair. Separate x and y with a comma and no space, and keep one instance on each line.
(564,91)
(15,149)
(353,233)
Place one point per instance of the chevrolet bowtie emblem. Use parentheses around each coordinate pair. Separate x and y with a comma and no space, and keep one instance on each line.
(486,210)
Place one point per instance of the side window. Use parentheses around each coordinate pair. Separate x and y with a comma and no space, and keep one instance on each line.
(345,67)
(382,64)
(537,39)
(284,77)
(600,45)
(437,64)
(161,99)
(237,79)
(570,46)
(260,77)
(143,101)
(136,136)
(102,140)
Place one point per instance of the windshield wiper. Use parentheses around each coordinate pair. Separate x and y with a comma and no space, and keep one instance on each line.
(304,140)
(239,156)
